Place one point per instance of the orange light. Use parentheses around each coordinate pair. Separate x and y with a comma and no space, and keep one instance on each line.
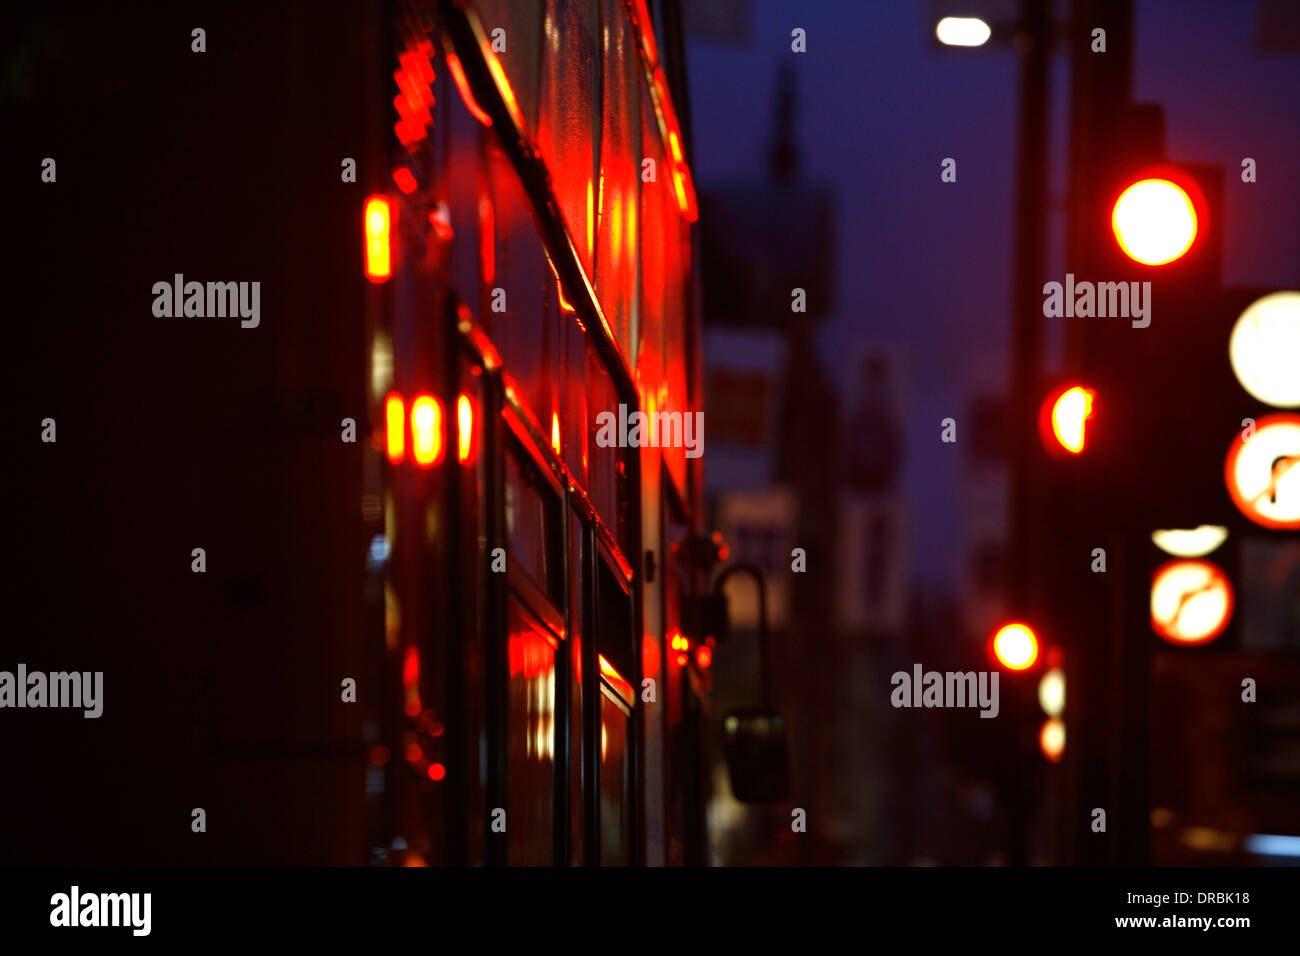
(1015,646)
(426,431)
(703,656)
(555,432)
(1154,221)
(1191,601)
(462,84)
(1051,739)
(616,680)
(682,660)
(464,429)
(405,180)
(437,771)
(395,418)
(1064,419)
(378,221)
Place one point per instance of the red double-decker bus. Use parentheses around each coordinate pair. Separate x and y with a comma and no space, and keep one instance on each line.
(529,245)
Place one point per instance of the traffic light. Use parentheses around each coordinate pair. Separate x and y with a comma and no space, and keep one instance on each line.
(1015,646)
(1063,419)
(1155,220)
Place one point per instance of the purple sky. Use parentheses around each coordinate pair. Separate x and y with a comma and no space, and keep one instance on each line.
(926,265)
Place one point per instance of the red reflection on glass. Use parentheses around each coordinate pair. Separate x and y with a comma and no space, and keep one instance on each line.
(466,94)
(405,180)
(530,655)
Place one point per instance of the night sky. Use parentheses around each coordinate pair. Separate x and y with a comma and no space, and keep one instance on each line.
(927,265)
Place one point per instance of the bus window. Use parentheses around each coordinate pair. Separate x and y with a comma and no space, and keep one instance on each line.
(532,526)
(616,646)
(620,168)
(578,553)
(521,21)
(530,739)
(569,115)
(615,786)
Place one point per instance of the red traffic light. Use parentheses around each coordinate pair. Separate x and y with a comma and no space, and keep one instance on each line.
(1156,220)
(1015,646)
(1063,420)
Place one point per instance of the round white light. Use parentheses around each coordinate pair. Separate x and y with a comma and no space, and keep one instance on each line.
(1265,349)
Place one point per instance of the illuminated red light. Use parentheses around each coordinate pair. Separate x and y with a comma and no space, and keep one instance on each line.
(1016,646)
(413,753)
(426,431)
(437,771)
(464,429)
(395,420)
(683,660)
(378,222)
(703,656)
(405,180)
(1064,417)
(555,432)
(462,84)
(379,755)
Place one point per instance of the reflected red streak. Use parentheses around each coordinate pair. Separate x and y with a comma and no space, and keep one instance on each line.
(466,94)
(487,240)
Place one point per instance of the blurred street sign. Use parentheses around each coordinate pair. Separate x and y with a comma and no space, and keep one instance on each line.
(758,526)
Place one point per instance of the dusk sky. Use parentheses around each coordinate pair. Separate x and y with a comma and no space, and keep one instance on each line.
(927,265)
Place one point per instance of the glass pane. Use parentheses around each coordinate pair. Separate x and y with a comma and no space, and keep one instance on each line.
(577,629)
(568,116)
(620,165)
(529,518)
(615,846)
(530,741)
(522,22)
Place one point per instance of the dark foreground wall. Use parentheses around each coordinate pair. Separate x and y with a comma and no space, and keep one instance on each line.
(221,689)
